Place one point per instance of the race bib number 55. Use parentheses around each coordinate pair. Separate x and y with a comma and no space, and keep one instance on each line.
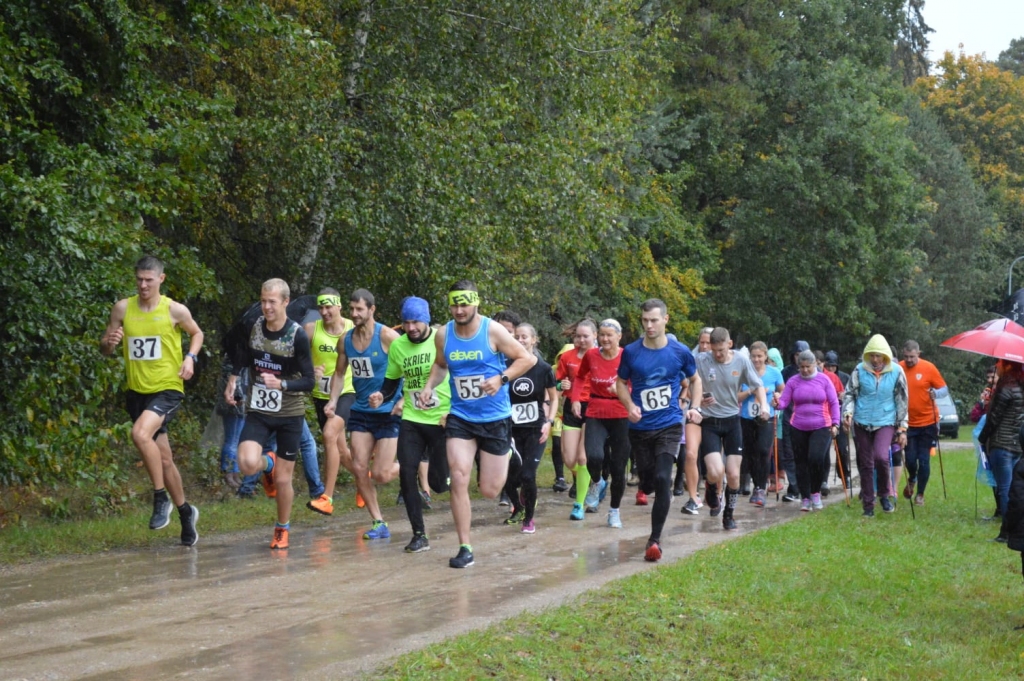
(470,387)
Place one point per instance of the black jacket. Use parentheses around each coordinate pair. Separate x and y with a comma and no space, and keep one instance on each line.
(1005,417)
(1013,521)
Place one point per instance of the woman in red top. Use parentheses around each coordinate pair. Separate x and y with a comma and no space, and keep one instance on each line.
(573,456)
(607,420)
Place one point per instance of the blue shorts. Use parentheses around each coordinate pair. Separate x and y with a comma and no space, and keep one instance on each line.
(380,426)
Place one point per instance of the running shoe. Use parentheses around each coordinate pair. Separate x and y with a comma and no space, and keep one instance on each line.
(528,527)
(613,519)
(504,501)
(577,512)
(322,505)
(378,531)
(758,498)
(653,552)
(268,477)
(908,489)
(691,507)
(572,490)
(189,535)
(280,540)
(805,505)
(641,498)
(425,496)
(727,522)
(418,543)
(678,491)
(716,509)
(791,496)
(516,518)
(868,513)
(400,500)
(560,485)
(816,502)
(887,505)
(590,502)
(360,502)
(161,517)
(602,490)
(919,500)
(633,480)
(825,491)
(463,559)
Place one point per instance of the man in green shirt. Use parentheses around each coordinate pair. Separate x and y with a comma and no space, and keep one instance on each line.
(422,430)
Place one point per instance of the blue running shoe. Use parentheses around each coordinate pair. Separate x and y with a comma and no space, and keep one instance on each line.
(591,501)
(378,531)
(602,490)
(577,512)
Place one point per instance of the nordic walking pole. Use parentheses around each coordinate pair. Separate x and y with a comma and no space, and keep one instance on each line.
(842,475)
(775,437)
(938,447)
(906,474)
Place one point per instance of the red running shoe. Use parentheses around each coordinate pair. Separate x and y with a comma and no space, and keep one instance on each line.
(653,552)
(268,477)
(641,498)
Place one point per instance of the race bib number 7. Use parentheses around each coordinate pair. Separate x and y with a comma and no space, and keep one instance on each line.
(265,399)
(470,387)
(144,348)
(654,399)
(324,385)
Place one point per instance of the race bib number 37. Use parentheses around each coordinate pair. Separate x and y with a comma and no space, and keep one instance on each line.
(265,399)
(655,399)
(144,348)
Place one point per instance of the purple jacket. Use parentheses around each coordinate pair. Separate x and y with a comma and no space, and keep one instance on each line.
(814,400)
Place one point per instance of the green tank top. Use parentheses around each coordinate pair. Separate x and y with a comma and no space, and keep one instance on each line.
(152,348)
(324,347)
(412,361)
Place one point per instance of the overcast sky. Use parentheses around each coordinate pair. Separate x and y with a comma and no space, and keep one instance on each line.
(981,25)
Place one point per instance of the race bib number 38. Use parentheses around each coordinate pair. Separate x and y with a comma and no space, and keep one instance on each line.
(654,399)
(144,348)
(526,412)
(265,399)
(470,387)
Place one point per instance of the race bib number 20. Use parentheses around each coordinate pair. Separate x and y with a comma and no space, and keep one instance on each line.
(527,412)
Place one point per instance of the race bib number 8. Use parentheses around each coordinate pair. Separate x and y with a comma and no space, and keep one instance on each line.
(361,367)
(526,412)
(265,399)
(470,387)
(655,399)
(144,348)
(418,403)
(324,385)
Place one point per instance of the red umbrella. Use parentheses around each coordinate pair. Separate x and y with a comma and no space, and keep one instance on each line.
(999,338)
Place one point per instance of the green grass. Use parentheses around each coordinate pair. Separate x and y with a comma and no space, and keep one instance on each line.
(829,596)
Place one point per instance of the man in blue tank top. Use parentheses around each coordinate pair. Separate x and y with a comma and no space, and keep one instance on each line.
(473,352)
(363,350)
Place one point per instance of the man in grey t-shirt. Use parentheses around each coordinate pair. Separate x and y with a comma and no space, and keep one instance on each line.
(722,372)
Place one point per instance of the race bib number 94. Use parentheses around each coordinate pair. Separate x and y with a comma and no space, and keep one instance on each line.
(144,348)
(470,387)
(265,399)
(361,367)
(655,399)
(526,412)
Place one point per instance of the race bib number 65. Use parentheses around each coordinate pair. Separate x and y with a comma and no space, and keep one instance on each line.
(654,399)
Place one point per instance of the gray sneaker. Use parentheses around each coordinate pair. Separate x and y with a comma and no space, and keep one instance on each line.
(691,508)
(189,534)
(161,517)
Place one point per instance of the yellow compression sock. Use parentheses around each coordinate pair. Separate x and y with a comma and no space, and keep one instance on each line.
(582,482)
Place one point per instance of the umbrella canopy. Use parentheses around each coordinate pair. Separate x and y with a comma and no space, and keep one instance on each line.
(999,338)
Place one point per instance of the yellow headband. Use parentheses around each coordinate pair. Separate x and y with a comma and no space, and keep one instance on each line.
(463,298)
(328,301)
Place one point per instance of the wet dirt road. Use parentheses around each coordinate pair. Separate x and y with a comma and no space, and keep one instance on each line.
(333,605)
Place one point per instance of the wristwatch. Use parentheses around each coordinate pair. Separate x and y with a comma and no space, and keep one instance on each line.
(194,357)
(504,379)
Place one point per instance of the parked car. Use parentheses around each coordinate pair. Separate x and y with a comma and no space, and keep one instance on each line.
(949,421)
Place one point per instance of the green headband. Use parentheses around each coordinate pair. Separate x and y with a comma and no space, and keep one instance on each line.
(463,298)
(328,300)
